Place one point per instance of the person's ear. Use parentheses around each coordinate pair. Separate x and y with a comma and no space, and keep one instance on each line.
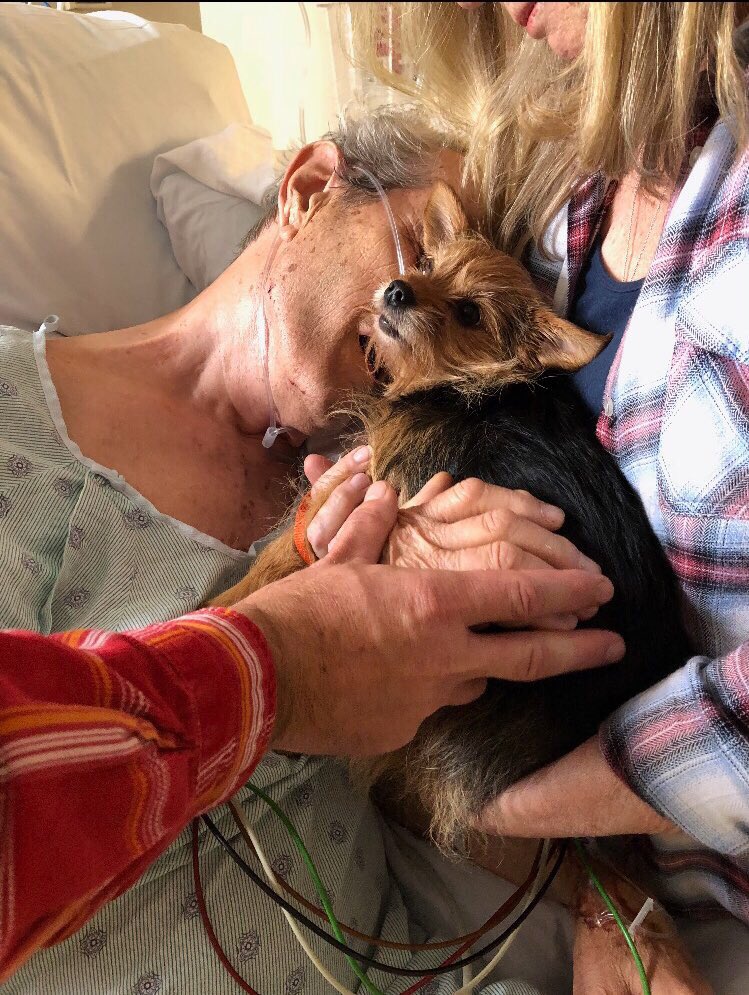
(312,171)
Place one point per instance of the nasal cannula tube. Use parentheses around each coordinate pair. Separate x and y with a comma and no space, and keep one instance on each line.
(274,429)
(389,212)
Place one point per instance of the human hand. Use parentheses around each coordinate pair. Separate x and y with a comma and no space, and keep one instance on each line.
(470,525)
(409,635)
(578,795)
(347,481)
(602,961)
(473,525)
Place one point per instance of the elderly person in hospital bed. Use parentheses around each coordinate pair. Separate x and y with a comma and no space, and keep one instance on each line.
(133,482)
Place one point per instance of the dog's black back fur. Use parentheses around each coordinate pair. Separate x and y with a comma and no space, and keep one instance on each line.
(541,438)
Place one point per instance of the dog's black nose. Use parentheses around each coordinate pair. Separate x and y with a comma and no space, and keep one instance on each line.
(399,295)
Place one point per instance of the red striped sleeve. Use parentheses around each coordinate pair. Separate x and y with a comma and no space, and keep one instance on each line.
(109,745)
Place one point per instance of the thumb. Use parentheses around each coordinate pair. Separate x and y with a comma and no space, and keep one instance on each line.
(364,533)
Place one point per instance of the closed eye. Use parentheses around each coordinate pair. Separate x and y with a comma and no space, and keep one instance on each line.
(467,313)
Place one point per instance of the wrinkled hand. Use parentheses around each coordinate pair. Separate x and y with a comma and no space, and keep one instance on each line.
(348,482)
(603,964)
(364,652)
(470,525)
(578,795)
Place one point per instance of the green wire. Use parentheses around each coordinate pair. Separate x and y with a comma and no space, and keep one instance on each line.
(319,886)
(338,933)
(617,918)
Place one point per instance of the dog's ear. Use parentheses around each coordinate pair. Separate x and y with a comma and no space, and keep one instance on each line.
(564,346)
(444,217)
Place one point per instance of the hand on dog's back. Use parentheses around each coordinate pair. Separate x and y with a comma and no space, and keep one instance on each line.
(471,525)
(365,652)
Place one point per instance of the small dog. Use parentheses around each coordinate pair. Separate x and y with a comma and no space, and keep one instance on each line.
(473,360)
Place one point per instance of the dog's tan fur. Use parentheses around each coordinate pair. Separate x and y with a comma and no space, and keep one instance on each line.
(518,337)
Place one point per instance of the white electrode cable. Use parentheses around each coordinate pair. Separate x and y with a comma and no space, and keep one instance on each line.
(467,987)
(269,873)
(537,883)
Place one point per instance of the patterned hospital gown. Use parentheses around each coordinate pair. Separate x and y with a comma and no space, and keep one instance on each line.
(80,548)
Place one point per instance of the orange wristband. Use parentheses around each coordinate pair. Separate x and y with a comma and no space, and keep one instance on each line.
(300,531)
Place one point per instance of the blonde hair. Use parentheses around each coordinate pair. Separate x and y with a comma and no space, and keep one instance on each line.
(534,125)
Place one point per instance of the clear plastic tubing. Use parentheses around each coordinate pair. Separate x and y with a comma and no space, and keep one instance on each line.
(274,429)
(389,214)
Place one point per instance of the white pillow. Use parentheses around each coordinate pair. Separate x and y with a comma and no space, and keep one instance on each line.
(87,104)
(209,194)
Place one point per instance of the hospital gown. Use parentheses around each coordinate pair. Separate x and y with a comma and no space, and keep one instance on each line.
(79,548)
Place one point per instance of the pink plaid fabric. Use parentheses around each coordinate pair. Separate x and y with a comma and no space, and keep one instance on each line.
(676,417)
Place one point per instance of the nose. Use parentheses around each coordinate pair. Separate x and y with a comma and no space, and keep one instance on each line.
(399,295)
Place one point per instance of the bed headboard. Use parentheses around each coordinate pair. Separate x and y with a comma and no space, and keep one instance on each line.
(87,103)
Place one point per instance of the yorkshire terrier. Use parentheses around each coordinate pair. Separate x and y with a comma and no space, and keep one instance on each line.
(475,364)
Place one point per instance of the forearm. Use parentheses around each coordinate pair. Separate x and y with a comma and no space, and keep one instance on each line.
(109,745)
(578,795)
(682,746)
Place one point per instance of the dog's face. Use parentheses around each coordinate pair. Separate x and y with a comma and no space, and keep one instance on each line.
(468,314)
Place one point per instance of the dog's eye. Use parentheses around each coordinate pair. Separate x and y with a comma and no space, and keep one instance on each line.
(424,264)
(468,314)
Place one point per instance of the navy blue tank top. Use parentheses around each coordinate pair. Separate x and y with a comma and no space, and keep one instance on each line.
(602,305)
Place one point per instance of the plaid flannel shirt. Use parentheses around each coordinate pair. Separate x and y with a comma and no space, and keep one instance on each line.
(676,417)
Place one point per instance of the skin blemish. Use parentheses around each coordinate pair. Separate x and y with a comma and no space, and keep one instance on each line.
(295,386)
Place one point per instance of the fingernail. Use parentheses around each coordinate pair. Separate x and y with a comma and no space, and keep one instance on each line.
(604,590)
(313,534)
(587,564)
(362,454)
(376,491)
(359,482)
(615,650)
(554,515)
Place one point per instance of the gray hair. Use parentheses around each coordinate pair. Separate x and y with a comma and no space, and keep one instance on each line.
(398,145)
